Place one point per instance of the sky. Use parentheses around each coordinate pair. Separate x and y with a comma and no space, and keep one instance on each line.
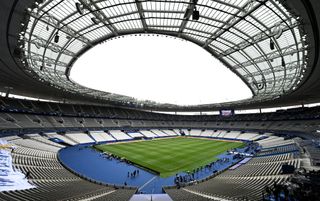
(158,68)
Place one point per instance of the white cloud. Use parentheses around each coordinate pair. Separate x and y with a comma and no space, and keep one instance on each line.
(162,69)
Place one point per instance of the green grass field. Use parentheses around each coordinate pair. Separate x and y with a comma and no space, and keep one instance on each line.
(171,155)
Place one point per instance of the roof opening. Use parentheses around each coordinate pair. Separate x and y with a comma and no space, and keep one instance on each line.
(158,68)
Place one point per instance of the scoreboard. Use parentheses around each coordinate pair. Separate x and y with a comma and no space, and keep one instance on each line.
(226,113)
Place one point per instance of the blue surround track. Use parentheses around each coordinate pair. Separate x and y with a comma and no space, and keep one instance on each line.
(91,164)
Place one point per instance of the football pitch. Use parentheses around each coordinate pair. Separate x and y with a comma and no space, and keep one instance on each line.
(169,156)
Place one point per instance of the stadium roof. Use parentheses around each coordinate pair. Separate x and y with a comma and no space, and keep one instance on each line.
(269,44)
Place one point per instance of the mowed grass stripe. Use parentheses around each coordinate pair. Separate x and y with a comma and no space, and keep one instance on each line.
(172,155)
(166,161)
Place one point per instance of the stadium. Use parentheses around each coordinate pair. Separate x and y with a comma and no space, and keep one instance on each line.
(63,140)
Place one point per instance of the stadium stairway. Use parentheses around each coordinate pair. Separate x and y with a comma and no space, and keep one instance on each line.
(52,180)
(244,183)
(37,155)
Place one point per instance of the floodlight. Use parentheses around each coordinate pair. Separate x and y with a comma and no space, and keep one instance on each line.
(271,44)
(79,8)
(56,38)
